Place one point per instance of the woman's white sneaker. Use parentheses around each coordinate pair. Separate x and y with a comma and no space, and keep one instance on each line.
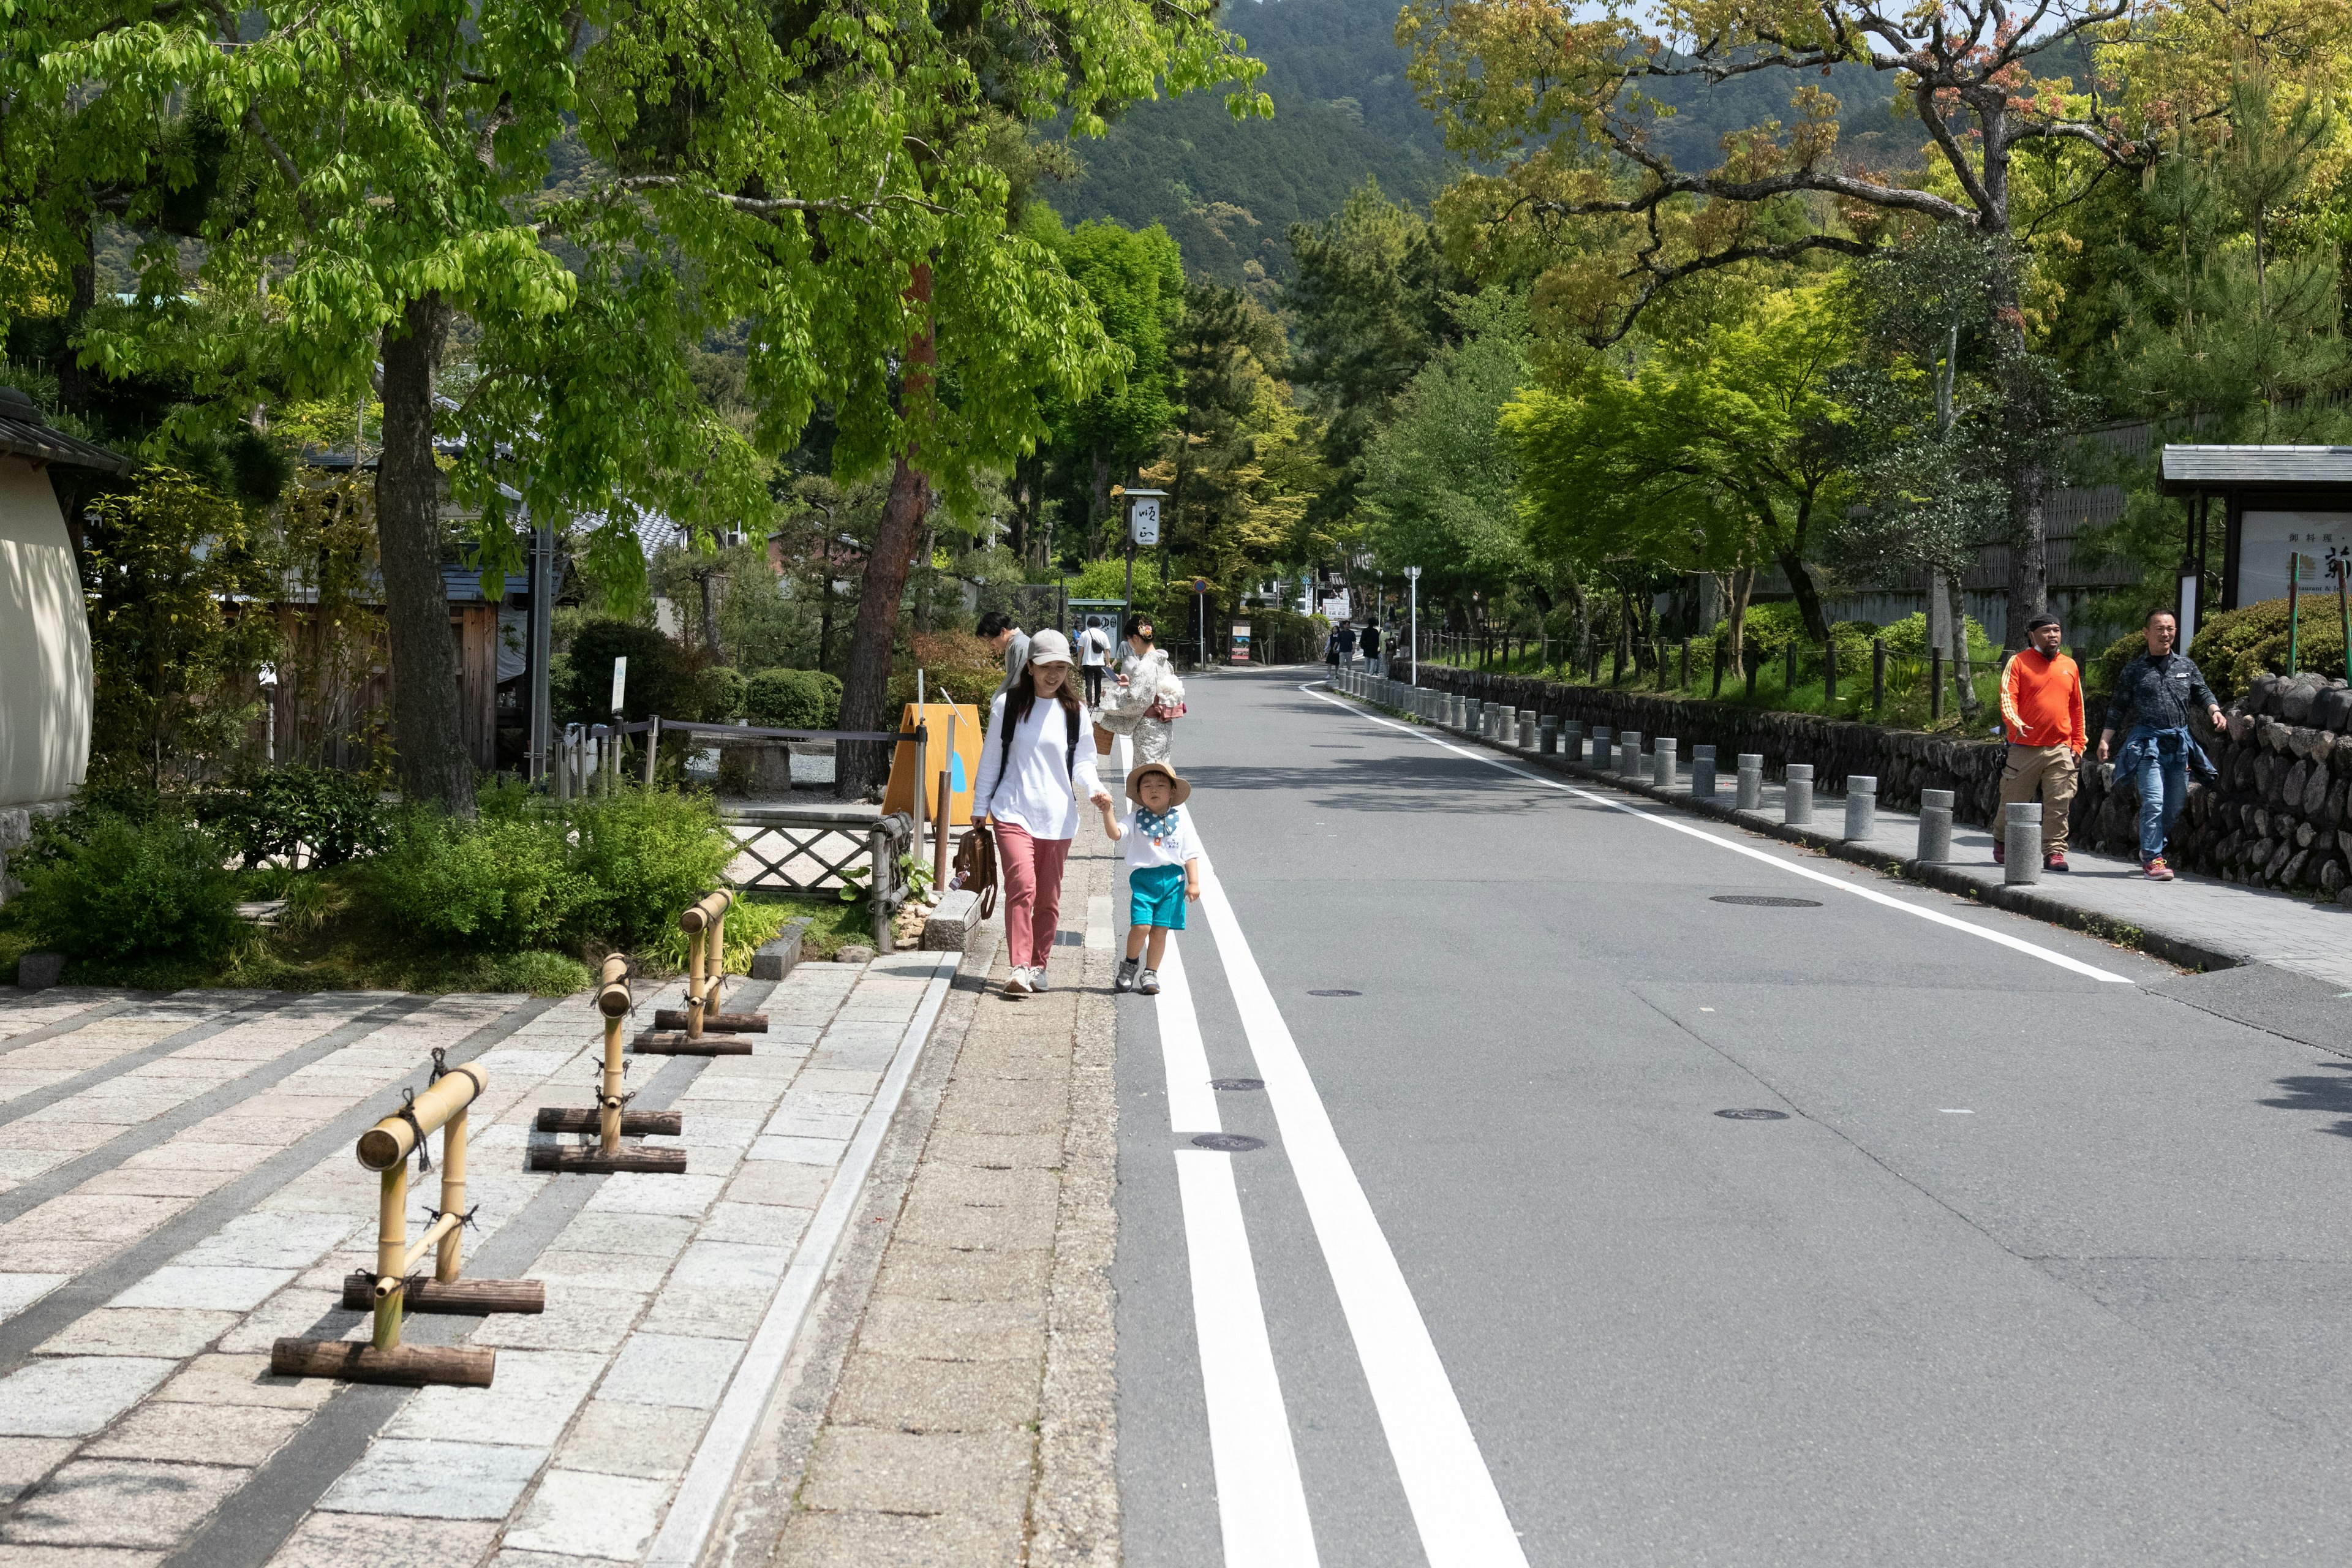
(1017,982)
(1037,977)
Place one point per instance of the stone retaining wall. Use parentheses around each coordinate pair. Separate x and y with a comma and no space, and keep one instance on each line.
(2276,817)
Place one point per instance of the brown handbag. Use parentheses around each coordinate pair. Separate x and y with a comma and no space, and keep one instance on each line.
(975,867)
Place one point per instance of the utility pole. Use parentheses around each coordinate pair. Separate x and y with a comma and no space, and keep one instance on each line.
(1413,587)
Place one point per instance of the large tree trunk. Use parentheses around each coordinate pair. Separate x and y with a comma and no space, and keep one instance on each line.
(1809,598)
(2029,554)
(1957,617)
(866,684)
(428,733)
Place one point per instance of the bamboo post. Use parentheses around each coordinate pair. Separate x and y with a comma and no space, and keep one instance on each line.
(613,1000)
(448,1255)
(391,1251)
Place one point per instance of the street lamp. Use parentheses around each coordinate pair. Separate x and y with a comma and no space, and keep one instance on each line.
(1142,528)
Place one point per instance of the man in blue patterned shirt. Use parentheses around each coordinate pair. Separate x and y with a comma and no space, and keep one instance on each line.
(2154,698)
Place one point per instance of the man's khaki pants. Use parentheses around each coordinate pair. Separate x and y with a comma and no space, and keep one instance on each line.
(2051,770)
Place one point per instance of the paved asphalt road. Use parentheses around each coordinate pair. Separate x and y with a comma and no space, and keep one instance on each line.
(2037,1264)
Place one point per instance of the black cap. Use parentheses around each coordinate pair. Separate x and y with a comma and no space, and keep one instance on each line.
(2038,622)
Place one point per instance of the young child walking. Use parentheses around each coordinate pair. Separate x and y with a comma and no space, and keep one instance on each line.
(1163,869)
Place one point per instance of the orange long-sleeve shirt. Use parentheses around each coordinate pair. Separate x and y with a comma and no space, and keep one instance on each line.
(2041,701)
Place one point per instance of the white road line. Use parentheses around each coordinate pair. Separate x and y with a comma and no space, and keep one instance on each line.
(1099,926)
(1191,1103)
(2016,944)
(1453,1500)
(1260,1503)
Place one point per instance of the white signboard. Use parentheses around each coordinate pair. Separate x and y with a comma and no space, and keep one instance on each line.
(1144,519)
(1335,608)
(620,680)
(2267,539)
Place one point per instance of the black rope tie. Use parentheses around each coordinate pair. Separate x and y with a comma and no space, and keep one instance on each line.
(465,1221)
(408,1113)
(440,1066)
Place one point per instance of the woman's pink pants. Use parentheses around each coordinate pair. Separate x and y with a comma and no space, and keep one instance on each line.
(1033,893)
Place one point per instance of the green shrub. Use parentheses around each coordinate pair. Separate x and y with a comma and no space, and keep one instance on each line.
(794,699)
(643,856)
(662,678)
(724,692)
(956,667)
(102,885)
(264,812)
(494,885)
(1907,639)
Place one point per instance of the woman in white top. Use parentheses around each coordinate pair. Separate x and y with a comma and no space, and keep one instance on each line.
(1029,789)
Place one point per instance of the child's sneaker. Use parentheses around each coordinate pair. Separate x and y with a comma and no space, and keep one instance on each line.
(1150,983)
(1125,979)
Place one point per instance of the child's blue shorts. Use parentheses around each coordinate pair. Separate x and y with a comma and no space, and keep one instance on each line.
(1155,897)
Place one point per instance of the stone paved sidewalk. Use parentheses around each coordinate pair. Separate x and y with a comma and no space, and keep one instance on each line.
(2194,921)
(964,1416)
(177,1189)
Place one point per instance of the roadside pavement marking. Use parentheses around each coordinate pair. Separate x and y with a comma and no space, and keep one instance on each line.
(1099,928)
(1261,1501)
(2019,943)
(1455,1504)
(710,1475)
(1191,1103)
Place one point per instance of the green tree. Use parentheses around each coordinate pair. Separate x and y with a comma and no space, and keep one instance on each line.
(1721,451)
(1370,304)
(1440,484)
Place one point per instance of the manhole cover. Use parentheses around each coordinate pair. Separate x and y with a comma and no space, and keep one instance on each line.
(1237,1083)
(1765,902)
(1335,993)
(1750,1114)
(1230,1142)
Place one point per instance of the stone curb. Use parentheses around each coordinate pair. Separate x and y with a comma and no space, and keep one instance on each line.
(2185,952)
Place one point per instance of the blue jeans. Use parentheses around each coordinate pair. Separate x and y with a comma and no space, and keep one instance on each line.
(2163,780)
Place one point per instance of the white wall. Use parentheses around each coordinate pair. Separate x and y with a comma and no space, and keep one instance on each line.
(46,678)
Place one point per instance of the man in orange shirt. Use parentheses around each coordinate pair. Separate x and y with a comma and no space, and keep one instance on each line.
(2042,714)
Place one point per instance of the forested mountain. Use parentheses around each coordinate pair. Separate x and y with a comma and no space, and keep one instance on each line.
(1229,190)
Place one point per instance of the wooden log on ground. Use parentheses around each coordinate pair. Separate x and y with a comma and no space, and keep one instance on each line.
(589,1160)
(412,1366)
(456,1297)
(634,1123)
(725,1023)
(676,1043)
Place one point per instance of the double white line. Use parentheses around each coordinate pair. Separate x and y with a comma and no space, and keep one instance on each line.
(1262,1503)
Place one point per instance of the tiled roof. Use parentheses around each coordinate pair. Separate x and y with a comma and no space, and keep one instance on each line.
(2219,467)
(24,432)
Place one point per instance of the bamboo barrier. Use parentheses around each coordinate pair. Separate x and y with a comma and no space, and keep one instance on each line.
(682,1033)
(609,1119)
(388,1291)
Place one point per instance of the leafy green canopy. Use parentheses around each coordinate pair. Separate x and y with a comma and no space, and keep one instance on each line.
(828,174)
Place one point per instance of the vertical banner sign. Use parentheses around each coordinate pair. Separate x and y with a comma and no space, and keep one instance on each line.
(1145,519)
(620,681)
(1241,642)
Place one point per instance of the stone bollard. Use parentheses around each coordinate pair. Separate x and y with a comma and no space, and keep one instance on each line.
(1750,778)
(1527,729)
(1702,772)
(1470,715)
(1457,711)
(1629,753)
(1861,807)
(1603,747)
(2021,832)
(1572,739)
(1662,761)
(1547,736)
(1797,802)
(1934,826)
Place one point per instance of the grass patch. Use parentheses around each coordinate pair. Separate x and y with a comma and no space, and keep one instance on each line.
(832,925)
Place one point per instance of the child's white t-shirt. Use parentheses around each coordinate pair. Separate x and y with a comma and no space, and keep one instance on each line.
(1169,849)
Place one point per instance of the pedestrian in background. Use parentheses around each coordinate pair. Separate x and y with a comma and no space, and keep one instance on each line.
(997,630)
(2155,695)
(1031,769)
(1093,654)
(1163,869)
(1371,647)
(2042,717)
(1331,650)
